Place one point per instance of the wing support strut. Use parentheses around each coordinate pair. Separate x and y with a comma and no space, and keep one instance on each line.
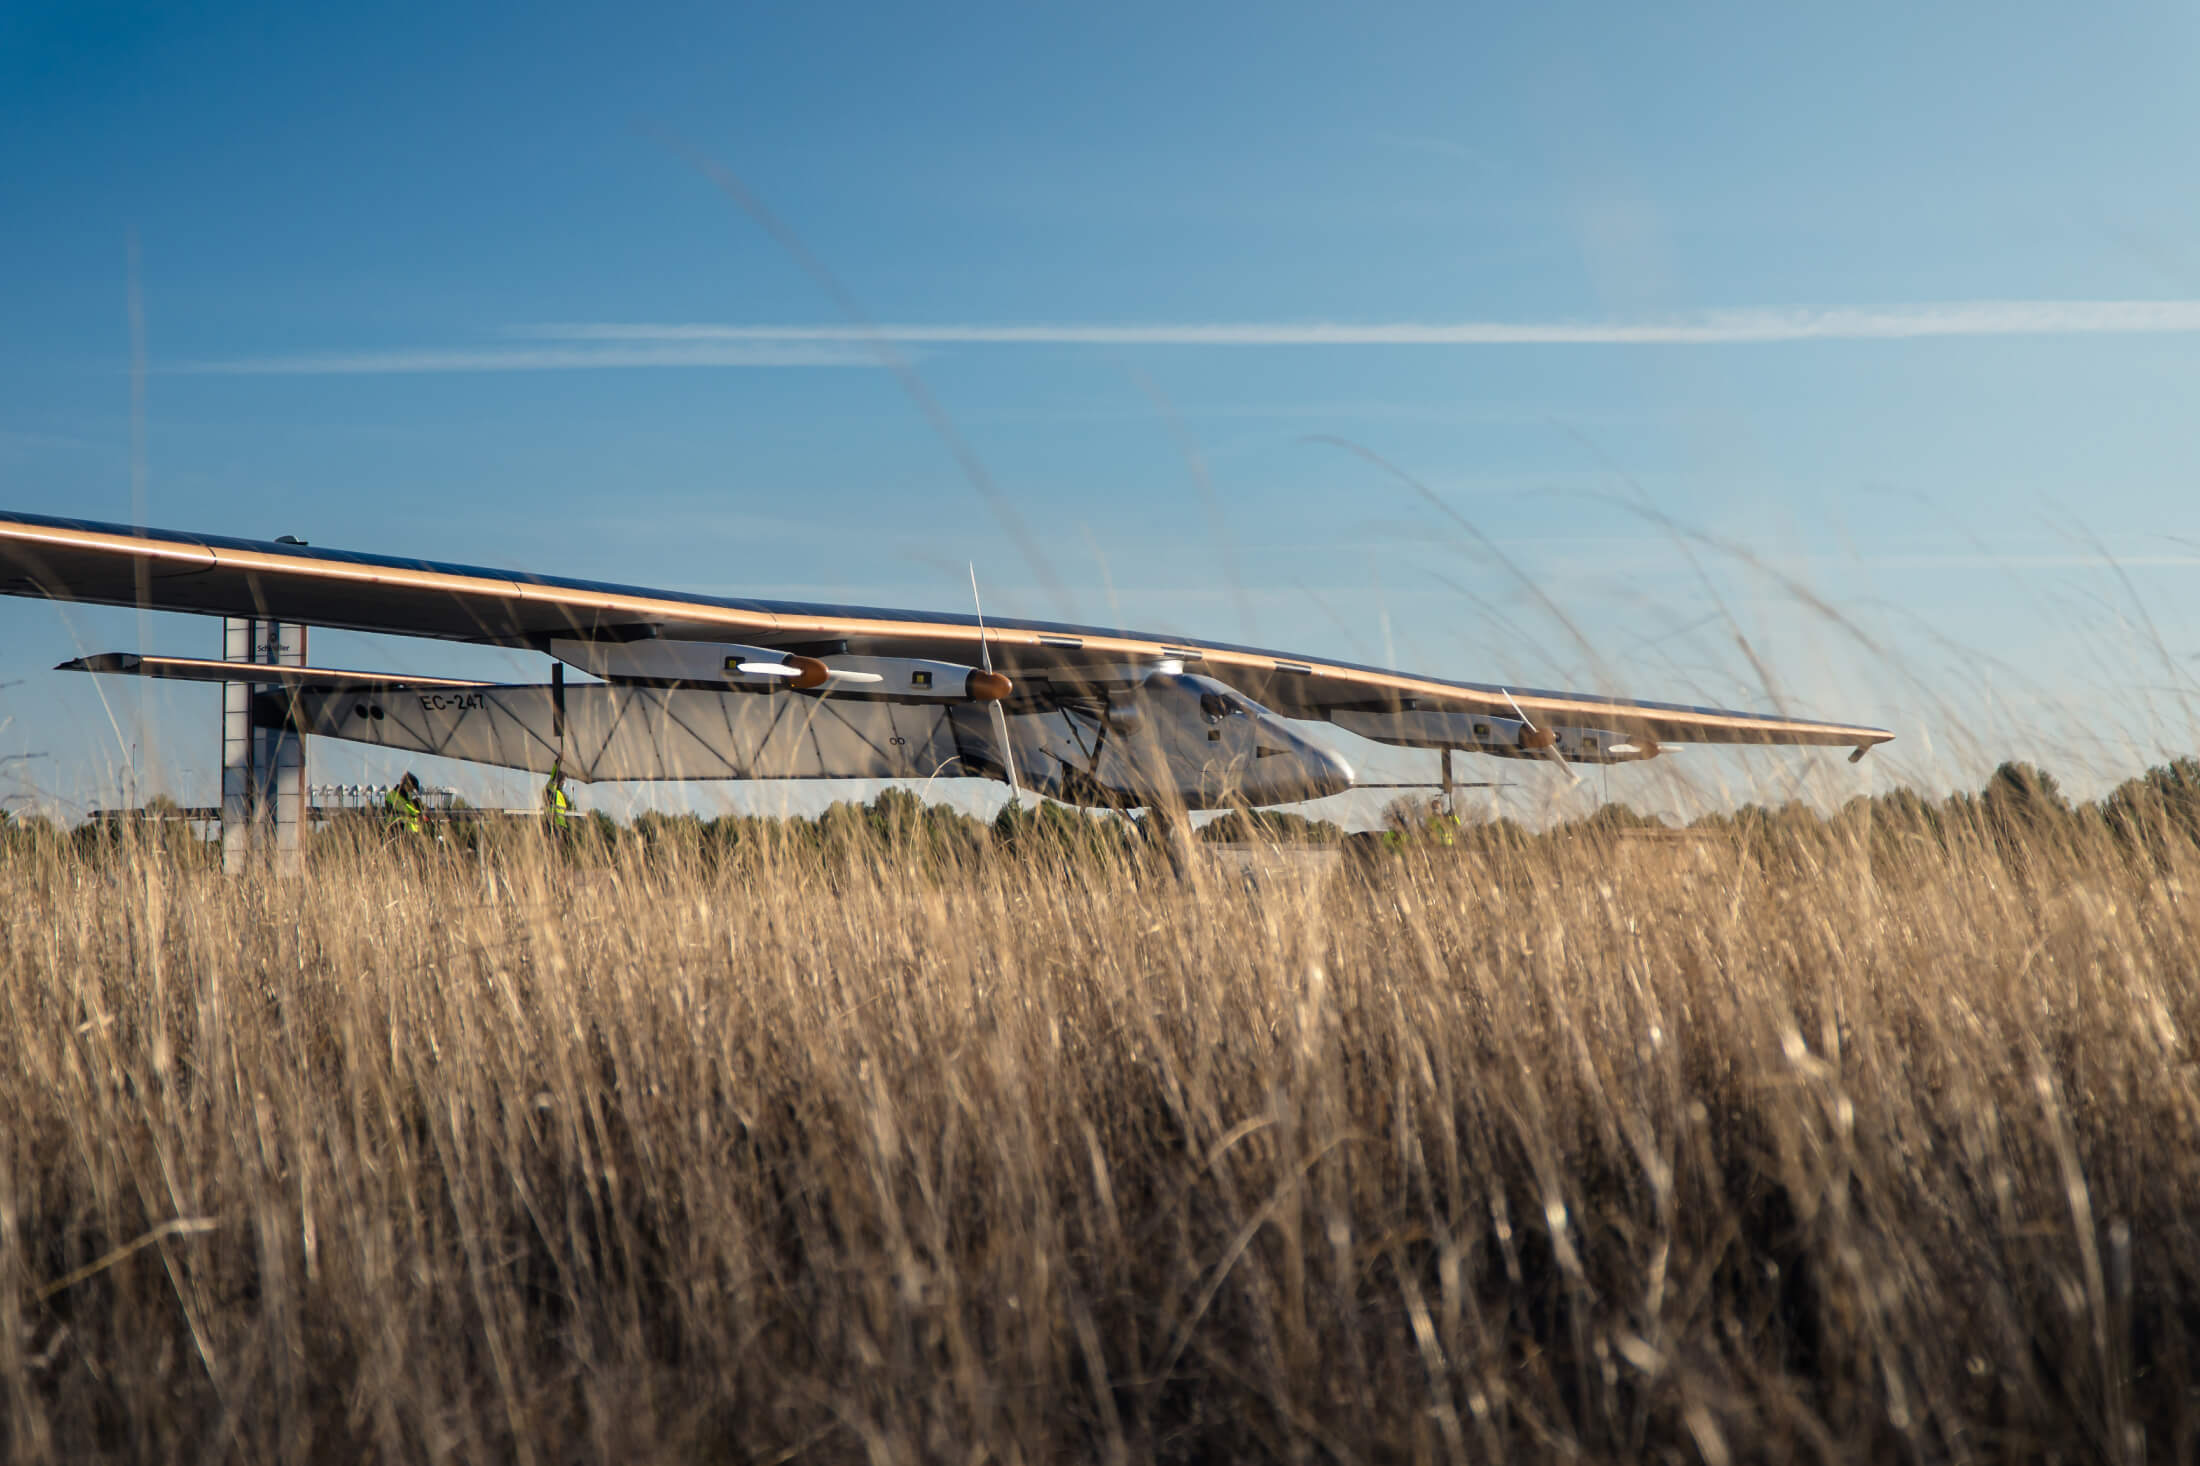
(557,707)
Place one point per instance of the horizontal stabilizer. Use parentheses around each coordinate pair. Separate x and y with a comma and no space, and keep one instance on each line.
(601,730)
(206,669)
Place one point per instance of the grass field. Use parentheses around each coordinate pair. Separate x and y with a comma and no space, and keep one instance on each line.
(1876,1138)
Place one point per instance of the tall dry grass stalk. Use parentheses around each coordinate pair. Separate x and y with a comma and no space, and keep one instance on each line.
(1864,1144)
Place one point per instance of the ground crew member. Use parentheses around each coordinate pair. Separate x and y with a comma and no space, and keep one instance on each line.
(557,805)
(403,806)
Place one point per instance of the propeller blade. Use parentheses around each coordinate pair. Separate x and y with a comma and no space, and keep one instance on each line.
(1000,719)
(767,669)
(985,647)
(1543,739)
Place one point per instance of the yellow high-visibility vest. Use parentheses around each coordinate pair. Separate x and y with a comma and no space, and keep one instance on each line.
(403,813)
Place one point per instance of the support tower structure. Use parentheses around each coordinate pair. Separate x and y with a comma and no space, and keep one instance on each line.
(263,768)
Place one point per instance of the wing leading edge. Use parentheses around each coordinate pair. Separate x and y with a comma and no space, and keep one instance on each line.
(86,561)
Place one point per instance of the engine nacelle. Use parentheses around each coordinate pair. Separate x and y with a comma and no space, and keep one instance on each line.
(674,663)
(915,679)
(1502,737)
(666,663)
(1601,746)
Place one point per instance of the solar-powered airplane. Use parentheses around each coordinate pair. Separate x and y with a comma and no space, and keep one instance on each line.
(705,687)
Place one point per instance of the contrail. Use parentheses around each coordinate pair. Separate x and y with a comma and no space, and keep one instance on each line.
(591,346)
(647,352)
(1710,328)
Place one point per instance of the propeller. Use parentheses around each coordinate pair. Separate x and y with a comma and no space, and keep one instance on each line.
(1000,719)
(1543,739)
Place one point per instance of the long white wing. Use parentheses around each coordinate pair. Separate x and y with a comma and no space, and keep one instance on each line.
(84,561)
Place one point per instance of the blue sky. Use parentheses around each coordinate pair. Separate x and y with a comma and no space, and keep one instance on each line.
(1892,310)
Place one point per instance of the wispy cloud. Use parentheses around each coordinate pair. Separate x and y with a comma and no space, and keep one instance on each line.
(1711,328)
(599,346)
(588,354)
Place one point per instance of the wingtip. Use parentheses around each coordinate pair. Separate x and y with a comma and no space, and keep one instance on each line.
(102,662)
(1867,744)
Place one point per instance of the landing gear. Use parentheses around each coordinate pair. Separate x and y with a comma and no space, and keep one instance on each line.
(1170,832)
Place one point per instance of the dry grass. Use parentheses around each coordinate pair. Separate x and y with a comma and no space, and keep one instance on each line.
(1675,1151)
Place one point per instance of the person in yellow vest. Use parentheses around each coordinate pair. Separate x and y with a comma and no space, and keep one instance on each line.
(401,807)
(557,805)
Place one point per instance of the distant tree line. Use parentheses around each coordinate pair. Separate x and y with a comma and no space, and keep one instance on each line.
(2020,807)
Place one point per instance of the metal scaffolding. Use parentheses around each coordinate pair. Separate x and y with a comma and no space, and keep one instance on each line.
(263,768)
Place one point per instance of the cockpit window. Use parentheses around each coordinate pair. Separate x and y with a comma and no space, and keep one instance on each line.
(1217,705)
